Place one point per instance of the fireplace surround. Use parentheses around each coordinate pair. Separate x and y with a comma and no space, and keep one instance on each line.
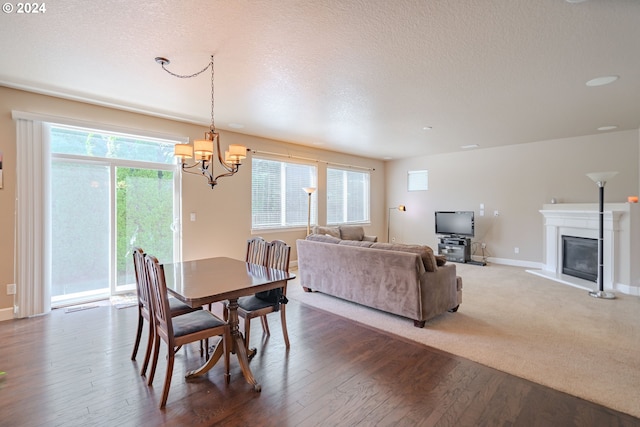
(621,243)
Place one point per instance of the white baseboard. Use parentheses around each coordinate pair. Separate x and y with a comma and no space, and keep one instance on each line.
(628,290)
(512,262)
(6,314)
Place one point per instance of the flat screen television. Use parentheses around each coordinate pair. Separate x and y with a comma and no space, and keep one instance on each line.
(455,223)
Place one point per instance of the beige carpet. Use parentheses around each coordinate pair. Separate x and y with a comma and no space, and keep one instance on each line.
(528,326)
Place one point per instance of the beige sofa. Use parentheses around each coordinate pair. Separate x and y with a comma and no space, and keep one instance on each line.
(401,279)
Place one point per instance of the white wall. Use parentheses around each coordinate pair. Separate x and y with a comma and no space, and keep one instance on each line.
(515,180)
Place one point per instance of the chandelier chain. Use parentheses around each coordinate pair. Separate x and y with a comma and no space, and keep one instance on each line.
(213,123)
(187,76)
(212,127)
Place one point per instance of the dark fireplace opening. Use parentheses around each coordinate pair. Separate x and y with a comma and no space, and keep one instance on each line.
(580,257)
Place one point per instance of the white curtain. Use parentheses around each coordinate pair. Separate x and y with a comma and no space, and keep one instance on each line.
(32,268)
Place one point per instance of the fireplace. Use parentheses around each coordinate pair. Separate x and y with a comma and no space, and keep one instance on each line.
(580,257)
(621,243)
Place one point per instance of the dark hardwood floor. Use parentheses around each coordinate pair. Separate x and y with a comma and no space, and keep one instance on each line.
(75,369)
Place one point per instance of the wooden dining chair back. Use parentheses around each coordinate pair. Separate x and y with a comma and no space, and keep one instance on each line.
(180,330)
(278,255)
(257,249)
(263,303)
(145,307)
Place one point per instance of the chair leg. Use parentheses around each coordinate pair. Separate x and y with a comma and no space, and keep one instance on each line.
(156,350)
(225,312)
(167,378)
(138,335)
(147,355)
(283,320)
(265,324)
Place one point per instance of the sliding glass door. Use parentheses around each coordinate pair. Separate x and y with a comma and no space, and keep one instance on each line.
(109,193)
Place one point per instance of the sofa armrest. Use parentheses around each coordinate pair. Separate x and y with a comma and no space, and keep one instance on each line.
(439,291)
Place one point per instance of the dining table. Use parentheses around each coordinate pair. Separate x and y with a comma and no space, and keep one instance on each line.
(205,281)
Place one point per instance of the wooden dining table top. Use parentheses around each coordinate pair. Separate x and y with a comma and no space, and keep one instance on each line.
(208,280)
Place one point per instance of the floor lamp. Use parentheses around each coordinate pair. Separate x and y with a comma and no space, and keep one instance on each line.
(600,178)
(401,208)
(309,191)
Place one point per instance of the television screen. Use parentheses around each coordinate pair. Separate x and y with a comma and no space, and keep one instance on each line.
(458,223)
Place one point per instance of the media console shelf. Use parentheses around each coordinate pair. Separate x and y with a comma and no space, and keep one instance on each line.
(456,249)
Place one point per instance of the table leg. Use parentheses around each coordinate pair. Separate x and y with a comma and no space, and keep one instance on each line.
(239,345)
(213,359)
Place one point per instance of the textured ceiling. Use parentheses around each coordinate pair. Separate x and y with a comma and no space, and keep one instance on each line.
(358,76)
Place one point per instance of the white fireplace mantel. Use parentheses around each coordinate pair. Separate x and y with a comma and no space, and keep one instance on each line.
(582,220)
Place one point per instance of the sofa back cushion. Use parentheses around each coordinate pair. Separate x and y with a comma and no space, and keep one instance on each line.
(351,232)
(425,252)
(324,238)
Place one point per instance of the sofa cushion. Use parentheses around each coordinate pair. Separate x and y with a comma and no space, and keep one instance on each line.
(351,232)
(425,252)
(330,231)
(324,238)
(359,243)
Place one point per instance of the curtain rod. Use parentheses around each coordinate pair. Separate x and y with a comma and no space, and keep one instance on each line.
(311,160)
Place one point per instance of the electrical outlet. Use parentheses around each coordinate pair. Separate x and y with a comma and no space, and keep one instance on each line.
(484,245)
(516,250)
(11,289)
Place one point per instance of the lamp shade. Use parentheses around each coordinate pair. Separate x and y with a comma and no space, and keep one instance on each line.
(601,177)
(184,151)
(203,146)
(237,151)
(309,190)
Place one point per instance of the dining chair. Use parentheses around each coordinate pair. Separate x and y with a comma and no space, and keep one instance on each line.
(257,249)
(176,307)
(180,330)
(263,303)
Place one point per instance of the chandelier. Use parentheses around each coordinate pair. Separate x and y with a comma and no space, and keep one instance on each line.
(202,150)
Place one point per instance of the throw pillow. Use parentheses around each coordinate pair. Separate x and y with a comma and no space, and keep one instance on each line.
(359,243)
(330,231)
(440,260)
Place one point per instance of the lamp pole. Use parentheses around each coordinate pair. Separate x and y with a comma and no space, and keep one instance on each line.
(401,208)
(309,191)
(600,178)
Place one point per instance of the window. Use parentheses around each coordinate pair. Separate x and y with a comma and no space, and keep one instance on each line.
(109,193)
(277,196)
(347,196)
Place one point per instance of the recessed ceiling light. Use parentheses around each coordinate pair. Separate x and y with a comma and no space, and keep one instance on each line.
(387,158)
(236,125)
(427,128)
(467,147)
(601,81)
(575,1)
(603,128)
